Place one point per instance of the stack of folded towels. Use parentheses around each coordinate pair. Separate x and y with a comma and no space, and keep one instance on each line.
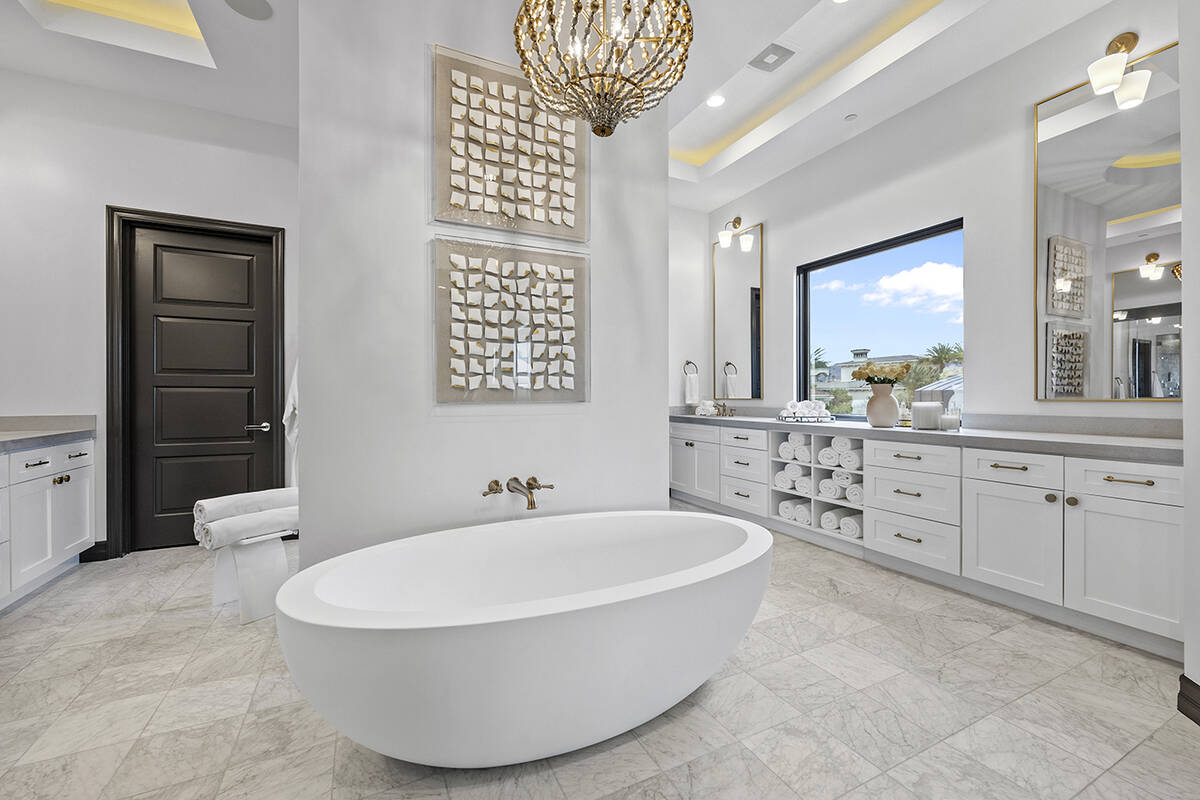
(828,457)
(795,448)
(852,526)
(848,456)
(783,480)
(828,488)
(222,521)
(796,511)
(843,521)
(851,485)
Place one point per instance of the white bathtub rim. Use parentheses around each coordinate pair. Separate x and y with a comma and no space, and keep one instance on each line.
(297,599)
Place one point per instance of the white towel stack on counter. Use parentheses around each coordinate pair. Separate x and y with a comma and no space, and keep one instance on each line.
(828,456)
(787,450)
(831,520)
(796,511)
(854,494)
(851,459)
(796,470)
(782,481)
(830,489)
(852,526)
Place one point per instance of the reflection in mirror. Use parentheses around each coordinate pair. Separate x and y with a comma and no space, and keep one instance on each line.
(1109,221)
(737,314)
(1147,331)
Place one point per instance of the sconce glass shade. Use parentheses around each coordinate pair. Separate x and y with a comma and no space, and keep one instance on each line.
(1132,90)
(746,240)
(1105,73)
(1120,315)
(725,237)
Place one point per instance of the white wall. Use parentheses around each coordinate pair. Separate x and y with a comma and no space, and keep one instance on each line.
(967,152)
(690,309)
(1189,94)
(380,460)
(65,153)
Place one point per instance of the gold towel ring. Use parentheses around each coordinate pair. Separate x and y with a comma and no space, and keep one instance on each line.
(693,363)
(729,364)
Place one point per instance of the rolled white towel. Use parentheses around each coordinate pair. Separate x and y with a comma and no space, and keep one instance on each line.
(830,489)
(803,453)
(795,470)
(828,456)
(787,509)
(233,505)
(782,481)
(842,444)
(787,451)
(854,494)
(852,527)
(804,485)
(803,512)
(224,532)
(851,459)
(843,478)
(831,520)
(798,438)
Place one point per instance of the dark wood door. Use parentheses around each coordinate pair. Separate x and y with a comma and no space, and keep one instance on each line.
(203,371)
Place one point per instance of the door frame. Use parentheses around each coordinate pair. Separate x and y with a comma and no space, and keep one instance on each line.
(120,224)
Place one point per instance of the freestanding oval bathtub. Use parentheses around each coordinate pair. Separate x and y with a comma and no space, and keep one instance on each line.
(509,642)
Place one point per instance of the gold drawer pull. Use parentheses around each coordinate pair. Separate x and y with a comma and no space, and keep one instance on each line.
(910,494)
(742,463)
(1022,468)
(908,539)
(41,463)
(689,444)
(742,438)
(742,494)
(77,455)
(1111,479)
(910,458)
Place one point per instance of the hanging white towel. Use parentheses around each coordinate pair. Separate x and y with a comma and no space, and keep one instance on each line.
(691,388)
(787,451)
(828,456)
(851,459)
(842,444)
(830,489)
(854,494)
(831,520)
(782,481)
(291,421)
(843,478)
(798,438)
(795,471)
(852,527)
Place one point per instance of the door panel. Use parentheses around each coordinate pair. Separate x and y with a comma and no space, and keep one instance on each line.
(71,514)
(31,549)
(1012,537)
(202,365)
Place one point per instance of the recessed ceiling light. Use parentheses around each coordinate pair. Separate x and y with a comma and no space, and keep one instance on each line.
(851,116)
(715,101)
(252,9)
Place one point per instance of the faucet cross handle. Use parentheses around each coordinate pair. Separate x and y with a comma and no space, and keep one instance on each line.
(534,483)
(493,487)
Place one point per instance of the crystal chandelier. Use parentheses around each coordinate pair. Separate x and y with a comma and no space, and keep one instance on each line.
(604,61)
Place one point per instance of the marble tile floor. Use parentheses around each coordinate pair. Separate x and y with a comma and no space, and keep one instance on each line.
(119,681)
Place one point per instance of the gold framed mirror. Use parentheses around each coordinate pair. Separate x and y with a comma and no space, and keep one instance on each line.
(1109,234)
(737,265)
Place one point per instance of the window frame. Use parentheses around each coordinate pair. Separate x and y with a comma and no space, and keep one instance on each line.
(805,271)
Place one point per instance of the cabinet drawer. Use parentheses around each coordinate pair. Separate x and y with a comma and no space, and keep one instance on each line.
(921,541)
(5,570)
(73,455)
(1025,469)
(26,465)
(695,433)
(744,495)
(740,462)
(744,437)
(935,497)
(1154,483)
(933,458)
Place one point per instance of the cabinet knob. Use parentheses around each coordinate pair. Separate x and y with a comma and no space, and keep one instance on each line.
(1072,501)
(689,444)
(1051,498)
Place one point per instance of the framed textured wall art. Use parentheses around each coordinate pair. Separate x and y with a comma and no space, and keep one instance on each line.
(500,160)
(1066,277)
(511,324)
(1066,360)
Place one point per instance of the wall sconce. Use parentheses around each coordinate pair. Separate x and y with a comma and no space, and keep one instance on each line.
(725,235)
(1132,90)
(1120,316)
(1107,74)
(746,240)
(1150,270)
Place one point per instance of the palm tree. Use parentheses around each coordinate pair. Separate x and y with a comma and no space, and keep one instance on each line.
(923,373)
(818,358)
(942,354)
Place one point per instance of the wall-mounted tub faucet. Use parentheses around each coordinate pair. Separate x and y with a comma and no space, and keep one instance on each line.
(494,487)
(526,489)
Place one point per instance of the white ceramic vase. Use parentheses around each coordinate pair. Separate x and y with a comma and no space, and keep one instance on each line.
(882,409)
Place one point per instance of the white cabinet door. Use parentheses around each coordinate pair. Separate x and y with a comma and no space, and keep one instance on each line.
(696,468)
(1124,562)
(71,514)
(31,548)
(1012,537)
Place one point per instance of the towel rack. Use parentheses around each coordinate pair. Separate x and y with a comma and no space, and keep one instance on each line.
(729,364)
(693,363)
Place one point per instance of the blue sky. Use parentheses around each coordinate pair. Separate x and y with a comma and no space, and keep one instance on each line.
(897,301)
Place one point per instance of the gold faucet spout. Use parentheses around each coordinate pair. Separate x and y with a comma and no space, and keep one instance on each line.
(517,486)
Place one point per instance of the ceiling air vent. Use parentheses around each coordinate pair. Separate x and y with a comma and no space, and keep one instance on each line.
(772,58)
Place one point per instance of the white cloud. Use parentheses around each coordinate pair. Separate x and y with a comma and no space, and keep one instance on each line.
(932,287)
(838,286)
(957,320)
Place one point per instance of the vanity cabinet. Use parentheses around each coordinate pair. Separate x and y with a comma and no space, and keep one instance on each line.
(1013,538)
(31,547)
(696,468)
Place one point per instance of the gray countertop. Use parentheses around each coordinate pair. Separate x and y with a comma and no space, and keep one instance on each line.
(1123,448)
(12,441)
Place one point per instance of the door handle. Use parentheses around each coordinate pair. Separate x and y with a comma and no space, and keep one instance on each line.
(265,427)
